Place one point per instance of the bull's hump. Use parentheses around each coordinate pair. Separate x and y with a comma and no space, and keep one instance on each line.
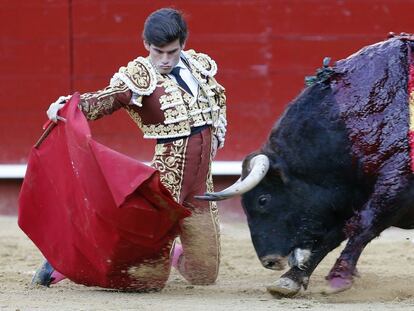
(372,97)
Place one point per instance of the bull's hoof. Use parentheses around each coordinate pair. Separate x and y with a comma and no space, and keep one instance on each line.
(337,285)
(284,287)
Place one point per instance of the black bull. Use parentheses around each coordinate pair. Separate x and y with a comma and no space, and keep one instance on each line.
(336,166)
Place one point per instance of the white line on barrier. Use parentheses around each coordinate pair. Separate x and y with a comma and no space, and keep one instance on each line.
(230,168)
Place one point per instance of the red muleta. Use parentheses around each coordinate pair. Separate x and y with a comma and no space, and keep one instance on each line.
(97,216)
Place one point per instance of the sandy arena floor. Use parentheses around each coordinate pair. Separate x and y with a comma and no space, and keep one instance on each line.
(386,282)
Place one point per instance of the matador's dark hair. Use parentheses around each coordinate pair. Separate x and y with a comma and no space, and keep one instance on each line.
(165,26)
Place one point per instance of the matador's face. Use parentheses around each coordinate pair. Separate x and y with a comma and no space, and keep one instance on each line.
(165,58)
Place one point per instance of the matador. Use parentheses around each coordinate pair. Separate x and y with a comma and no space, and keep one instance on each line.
(174,98)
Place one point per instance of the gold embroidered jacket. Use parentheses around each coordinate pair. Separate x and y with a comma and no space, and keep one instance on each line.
(159,106)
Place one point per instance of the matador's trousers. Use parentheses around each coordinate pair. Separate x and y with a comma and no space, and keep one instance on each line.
(185,169)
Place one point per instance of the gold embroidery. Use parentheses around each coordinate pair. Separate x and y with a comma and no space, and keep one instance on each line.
(181,110)
(213,208)
(213,205)
(166,131)
(169,161)
(167,83)
(135,117)
(139,75)
(171,100)
(202,62)
(161,130)
(97,104)
(178,113)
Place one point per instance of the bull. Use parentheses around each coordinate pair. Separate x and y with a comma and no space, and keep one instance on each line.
(337,165)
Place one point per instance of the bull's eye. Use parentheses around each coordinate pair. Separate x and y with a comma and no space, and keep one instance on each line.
(263,199)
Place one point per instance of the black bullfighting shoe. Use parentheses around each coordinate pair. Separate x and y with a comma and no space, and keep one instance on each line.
(46,275)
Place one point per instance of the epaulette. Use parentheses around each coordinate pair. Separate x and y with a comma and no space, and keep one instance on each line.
(202,62)
(139,75)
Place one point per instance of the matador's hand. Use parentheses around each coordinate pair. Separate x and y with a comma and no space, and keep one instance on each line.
(52,112)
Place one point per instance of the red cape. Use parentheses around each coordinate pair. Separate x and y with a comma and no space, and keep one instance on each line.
(94,213)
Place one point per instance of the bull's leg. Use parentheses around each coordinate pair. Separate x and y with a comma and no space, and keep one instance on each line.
(341,275)
(391,195)
(379,213)
(290,283)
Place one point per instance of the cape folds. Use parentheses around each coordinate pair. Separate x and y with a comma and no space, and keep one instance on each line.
(95,214)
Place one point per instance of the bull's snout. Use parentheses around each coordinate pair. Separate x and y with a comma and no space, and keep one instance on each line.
(274,262)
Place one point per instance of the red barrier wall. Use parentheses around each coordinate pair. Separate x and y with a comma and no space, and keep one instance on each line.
(263,48)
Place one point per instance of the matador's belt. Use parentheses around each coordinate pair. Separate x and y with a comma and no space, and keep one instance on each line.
(194,130)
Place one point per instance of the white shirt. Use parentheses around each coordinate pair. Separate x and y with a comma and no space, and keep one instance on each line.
(187,76)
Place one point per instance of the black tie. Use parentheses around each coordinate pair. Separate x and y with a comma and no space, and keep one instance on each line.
(176,73)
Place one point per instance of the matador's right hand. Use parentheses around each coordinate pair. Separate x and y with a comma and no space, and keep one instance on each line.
(52,112)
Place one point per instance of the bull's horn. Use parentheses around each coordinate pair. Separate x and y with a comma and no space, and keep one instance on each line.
(259,165)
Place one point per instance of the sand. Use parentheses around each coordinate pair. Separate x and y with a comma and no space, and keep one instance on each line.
(386,281)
